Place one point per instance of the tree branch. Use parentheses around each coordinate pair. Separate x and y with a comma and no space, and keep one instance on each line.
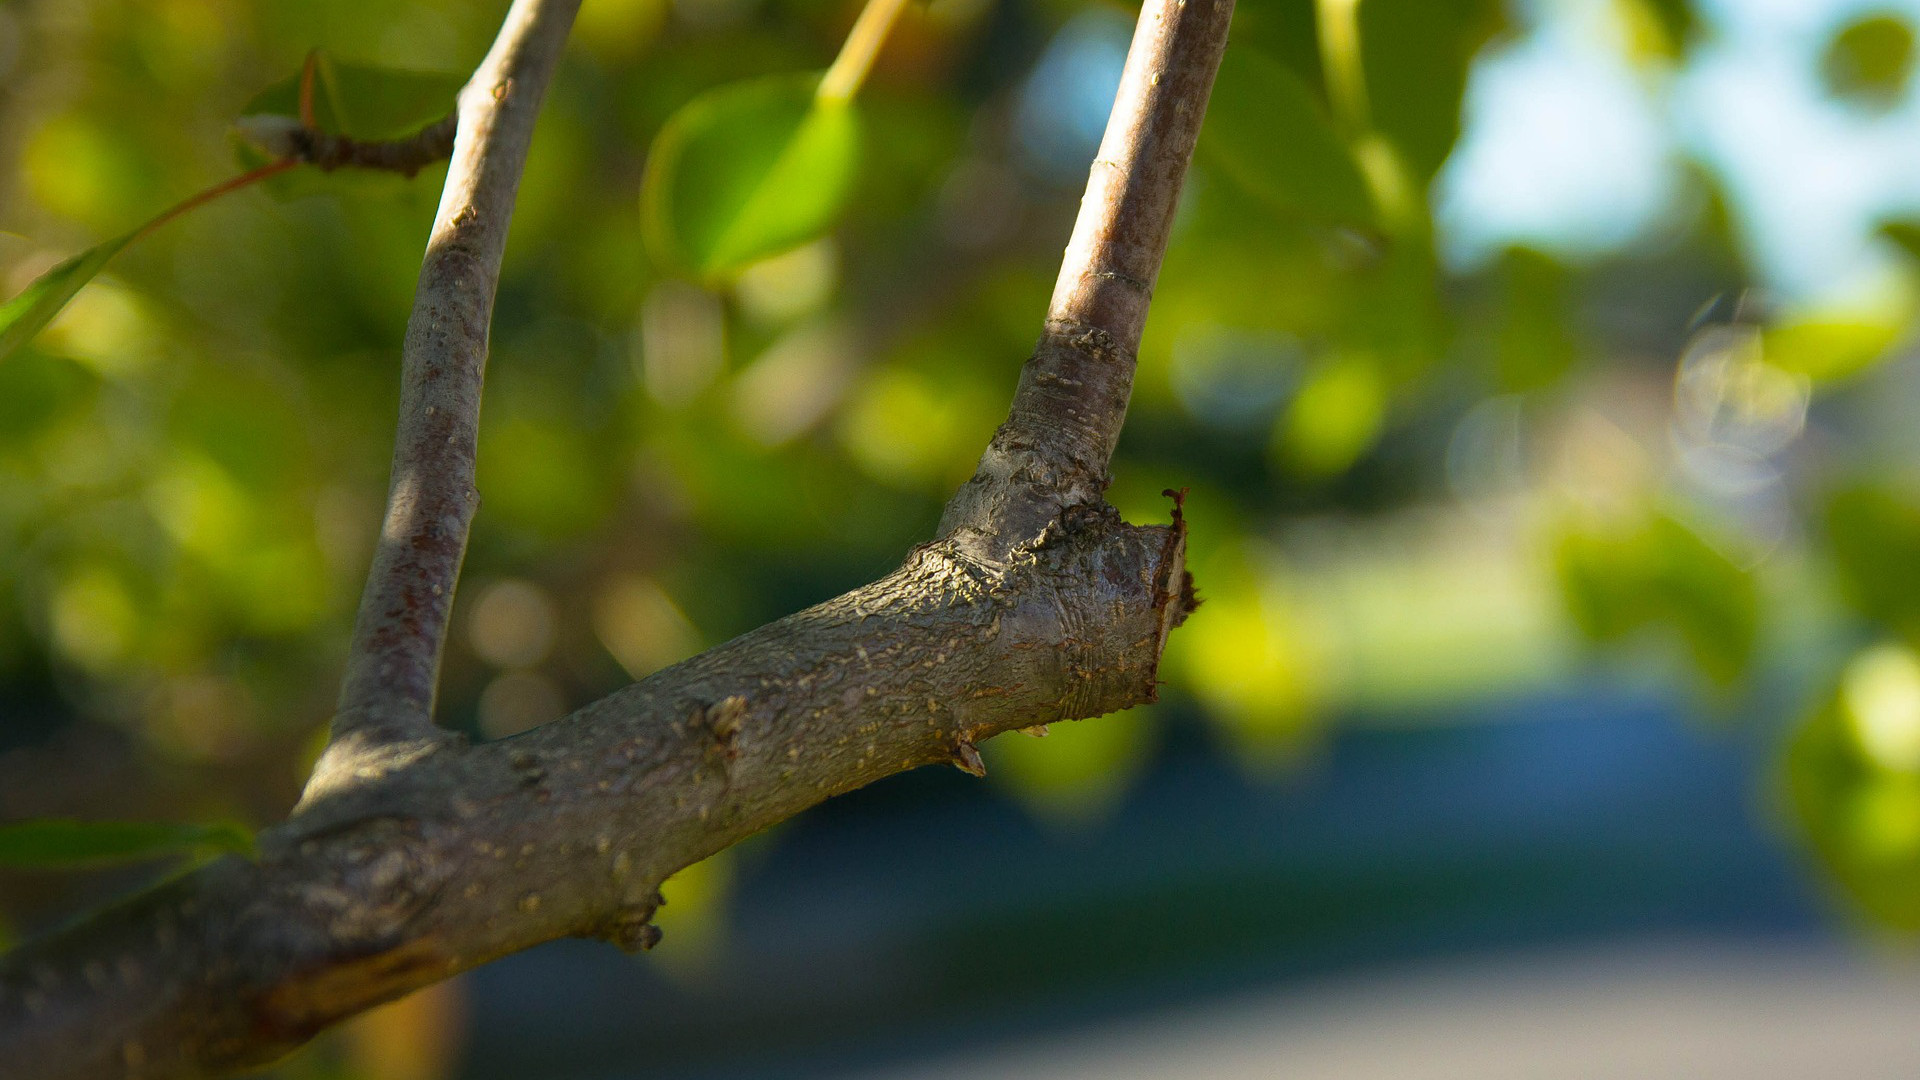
(1052,452)
(385,713)
(1036,604)
(297,141)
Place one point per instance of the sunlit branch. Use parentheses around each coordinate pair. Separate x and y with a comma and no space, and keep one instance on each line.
(386,699)
(1052,453)
(411,858)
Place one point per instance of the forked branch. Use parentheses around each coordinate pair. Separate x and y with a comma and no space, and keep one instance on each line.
(412,857)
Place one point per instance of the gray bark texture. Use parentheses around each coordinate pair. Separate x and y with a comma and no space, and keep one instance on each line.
(412,856)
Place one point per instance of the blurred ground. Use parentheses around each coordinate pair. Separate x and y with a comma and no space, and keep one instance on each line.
(1554,871)
(1674,1010)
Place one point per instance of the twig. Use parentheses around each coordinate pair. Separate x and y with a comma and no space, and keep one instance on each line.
(302,143)
(385,711)
(1107,274)
(1052,452)
(407,156)
(251,176)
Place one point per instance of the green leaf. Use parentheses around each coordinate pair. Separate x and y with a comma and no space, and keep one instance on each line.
(1660,29)
(364,101)
(1601,584)
(1870,61)
(1676,17)
(1873,537)
(1336,416)
(1286,30)
(1659,573)
(1850,784)
(37,390)
(24,316)
(1904,234)
(1833,346)
(1534,345)
(1714,602)
(1079,771)
(54,843)
(746,171)
(1415,55)
(1266,132)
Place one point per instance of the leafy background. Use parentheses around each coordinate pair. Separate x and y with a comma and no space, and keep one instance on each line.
(1523,360)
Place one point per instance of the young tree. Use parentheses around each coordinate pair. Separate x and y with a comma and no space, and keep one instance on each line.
(413,856)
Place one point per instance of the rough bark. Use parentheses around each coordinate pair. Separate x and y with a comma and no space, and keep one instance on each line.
(412,857)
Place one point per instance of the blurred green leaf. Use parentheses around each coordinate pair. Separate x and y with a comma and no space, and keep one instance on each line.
(364,101)
(1534,345)
(1658,28)
(1289,32)
(747,171)
(1850,783)
(1337,416)
(1832,347)
(24,316)
(1265,675)
(1870,61)
(542,475)
(1618,581)
(1079,771)
(1904,233)
(1676,17)
(1602,585)
(252,427)
(1714,601)
(1874,539)
(1266,132)
(36,389)
(56,843)
(1415,55)
(1395,310)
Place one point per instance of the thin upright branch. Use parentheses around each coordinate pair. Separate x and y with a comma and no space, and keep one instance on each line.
(386,700)
(1107,274)
(403,866)
(1052,452)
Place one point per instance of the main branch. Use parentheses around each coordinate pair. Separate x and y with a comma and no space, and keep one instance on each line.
(412,857)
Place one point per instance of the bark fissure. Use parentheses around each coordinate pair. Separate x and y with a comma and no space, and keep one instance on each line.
(412,857)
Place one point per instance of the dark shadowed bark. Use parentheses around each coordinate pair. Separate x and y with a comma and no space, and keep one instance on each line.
(412,857)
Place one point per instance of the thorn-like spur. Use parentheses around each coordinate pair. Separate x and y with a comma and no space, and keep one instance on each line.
(966,758)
